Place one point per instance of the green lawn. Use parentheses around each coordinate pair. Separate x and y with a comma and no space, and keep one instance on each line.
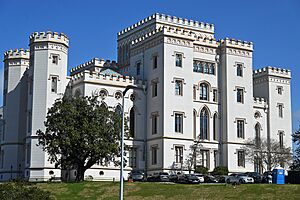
(162,191)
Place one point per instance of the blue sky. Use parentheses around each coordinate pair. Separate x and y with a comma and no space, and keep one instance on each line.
(92,26)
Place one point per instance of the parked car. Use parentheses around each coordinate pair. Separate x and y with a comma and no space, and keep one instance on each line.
(188,178)
(173,177)
(136,176)
(239,178)
(221,178)
(210,179)
(200,177)
(256,176)
(267,177)
(159,177)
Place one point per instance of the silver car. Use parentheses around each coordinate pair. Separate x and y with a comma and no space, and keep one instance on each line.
(239,178)
(200,177)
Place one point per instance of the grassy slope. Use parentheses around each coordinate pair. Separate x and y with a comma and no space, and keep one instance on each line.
(107,190)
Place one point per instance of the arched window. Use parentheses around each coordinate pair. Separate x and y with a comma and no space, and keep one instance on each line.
(118,110)
(204,124)
(203,91)
(194,123)
(215,126)
(257,133)
(132,122)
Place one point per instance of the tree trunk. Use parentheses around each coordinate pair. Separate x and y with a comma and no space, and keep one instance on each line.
(80,173)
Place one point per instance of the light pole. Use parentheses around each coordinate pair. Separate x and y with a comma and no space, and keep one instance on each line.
(122,141)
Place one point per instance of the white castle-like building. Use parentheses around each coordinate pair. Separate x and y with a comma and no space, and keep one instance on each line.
(189,86)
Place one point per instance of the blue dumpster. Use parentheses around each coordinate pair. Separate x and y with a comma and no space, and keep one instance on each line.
(278,176)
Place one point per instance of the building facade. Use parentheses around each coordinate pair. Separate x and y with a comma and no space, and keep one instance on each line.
(190,87)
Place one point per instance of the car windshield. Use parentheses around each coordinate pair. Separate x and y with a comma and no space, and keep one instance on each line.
(164,173)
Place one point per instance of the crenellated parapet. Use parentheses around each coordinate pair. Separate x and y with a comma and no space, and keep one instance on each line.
(259,102)
(17,54)
(55,37)
(272,71)
(147,36)
(94,64)
(237,44)
(105,79)
(167,20)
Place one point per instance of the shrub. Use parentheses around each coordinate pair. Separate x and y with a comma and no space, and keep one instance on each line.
(22,191)
(201,170)
(220,170)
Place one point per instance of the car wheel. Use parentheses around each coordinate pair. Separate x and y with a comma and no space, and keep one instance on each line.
(228,181)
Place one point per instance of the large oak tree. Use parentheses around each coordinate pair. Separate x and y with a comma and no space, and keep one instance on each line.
(80,133)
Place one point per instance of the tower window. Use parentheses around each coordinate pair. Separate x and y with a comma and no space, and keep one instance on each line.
(178,62)
(239,70)
(240,128)
(178,154)
(281,139)
(132,157)
(215,95)
(138,68)
(154,123)
(55,59)
(178,123)
(154,89)
(54,84)
(279,90)
(154,155)
(155,62)
(280,110)
(241,158)
(178,87)
(203,91)
(240,95)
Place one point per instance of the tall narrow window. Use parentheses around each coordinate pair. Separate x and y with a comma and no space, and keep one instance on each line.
(280,110)
(203,91)
(215,95)
(54,84)
(29,121)
(118,110)
(55,59)
(138,68)
(204,124)
(178,61)
(279,90)
(212,69)
(240,95)
(178,87)
(178,123)
(239,70)
(216,158)
(241,158)
(154,62)
(215,126)
(178,154)
(257,134)
(240,128)
(132,157)
(281,139)
(194,124)
(132,122)
(204,158)
(205,68)
(154,155)
(154,89)
(154,124)
(2,159)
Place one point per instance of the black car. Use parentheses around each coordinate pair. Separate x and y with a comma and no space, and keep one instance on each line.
(256,176)
(159,177)
(210,179)
(173,177)
(188,178)
(136,176)
(221,178)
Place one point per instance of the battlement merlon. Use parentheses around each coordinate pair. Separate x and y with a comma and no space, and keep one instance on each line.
(238,44)
(260,102)
(105,79)
(272,71)
(49,36)
(17,54)
(167,20)
(93,63)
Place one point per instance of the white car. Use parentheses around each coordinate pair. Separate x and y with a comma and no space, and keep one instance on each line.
(200,177)
(239,178)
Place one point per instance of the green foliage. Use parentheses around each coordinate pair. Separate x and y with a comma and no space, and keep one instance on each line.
(22,191)
(201,170)
(220,170)
(80,133)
